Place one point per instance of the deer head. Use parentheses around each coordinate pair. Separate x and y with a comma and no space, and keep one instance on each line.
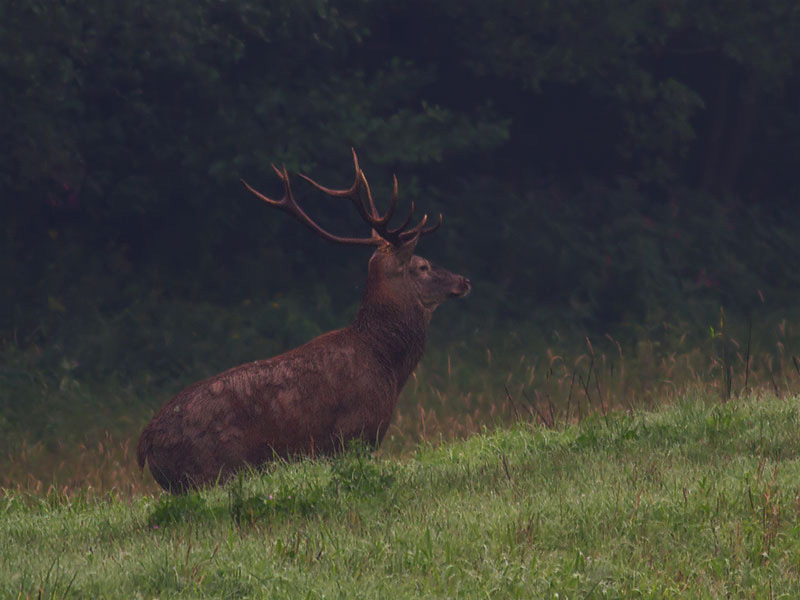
(396,277)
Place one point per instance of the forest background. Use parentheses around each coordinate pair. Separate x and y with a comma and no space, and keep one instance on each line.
(617,172)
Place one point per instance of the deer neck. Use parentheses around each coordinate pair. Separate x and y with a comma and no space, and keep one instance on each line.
(396,335)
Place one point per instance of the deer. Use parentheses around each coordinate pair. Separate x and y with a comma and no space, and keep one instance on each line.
(315,399)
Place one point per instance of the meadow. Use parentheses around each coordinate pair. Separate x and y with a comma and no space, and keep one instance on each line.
(698,499)
(665,469)
(62,430)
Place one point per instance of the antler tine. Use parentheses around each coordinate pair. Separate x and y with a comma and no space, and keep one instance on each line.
(433,228)
(353,192)
(419,229)
(398,234)
(402,227)
(373,211)
(392,205)
(289,206)
(416,231)
(338,193)
(393,201)
(281,172)
(288,197)
(378,221)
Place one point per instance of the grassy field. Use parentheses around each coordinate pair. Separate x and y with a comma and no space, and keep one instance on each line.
(698,499)
(63,430)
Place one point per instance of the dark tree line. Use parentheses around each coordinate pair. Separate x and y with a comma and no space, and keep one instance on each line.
(608,162)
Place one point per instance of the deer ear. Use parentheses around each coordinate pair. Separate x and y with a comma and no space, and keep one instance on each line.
(405,251)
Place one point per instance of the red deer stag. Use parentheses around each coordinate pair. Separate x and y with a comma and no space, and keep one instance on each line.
(313,399)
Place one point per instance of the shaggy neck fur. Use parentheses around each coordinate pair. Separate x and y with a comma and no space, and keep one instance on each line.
(396,335)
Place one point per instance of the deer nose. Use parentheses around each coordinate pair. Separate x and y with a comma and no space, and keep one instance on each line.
(462,288)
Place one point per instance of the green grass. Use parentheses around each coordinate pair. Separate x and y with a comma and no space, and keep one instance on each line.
(73,403)
(701,499)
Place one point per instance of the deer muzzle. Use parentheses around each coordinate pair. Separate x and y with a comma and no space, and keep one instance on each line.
(461,288)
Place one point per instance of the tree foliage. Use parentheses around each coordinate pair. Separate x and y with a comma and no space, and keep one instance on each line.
(605,159)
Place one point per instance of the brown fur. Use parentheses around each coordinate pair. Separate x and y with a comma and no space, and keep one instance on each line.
(310,400)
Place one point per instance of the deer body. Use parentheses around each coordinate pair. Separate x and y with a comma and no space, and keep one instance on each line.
(313,399)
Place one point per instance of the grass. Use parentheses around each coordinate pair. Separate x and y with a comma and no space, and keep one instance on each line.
(658,470)
(74,434)
(699,499)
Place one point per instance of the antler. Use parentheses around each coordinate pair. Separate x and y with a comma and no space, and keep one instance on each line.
(381,232)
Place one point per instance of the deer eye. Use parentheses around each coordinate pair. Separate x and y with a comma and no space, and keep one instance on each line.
(424,267)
